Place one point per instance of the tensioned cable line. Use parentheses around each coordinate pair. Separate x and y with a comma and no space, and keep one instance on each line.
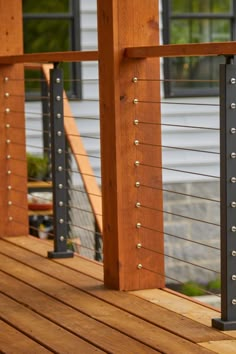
(180,193)
(181,216)
(83,210)
(181,103)
(178,126)
(180,171)
(177,281)
(181,260)
(178,148)
(176,80)
(181,238)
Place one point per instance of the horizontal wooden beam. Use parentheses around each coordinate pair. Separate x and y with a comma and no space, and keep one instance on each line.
(51,57)
(182,50)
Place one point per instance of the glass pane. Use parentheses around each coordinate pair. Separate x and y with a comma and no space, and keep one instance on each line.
(46,6)
(201,6)
(46,35)
(180,32)
(194,73)
(199,31)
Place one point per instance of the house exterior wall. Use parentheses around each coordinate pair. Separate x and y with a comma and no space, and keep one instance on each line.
(197,139)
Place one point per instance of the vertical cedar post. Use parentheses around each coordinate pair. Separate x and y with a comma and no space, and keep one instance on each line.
(13,200)
(131,232)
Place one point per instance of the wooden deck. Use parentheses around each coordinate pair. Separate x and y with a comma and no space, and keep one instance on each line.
(61,306)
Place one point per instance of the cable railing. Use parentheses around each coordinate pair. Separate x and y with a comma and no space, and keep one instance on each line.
(75,222)
(167,181)
(207,223)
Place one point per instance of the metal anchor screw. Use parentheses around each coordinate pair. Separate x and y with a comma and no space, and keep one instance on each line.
(59,151)
(61,221)
(7,110)
(59,168)
(137,163)
(233,228)
(234,302)
(233,204)
(137,184)
(232,80)
(233,106)
(233,180)
(58,115)
(135,79)
(136,142)
(136,121)
(233,155)
(62,238)
(58,80)
(7,94)
(139,245)
(233,277)
(58,98)
(138,205)
(138,225)
(60,186)
(233,130)
(60,203)
(233,253)
(139,266)
(135,101)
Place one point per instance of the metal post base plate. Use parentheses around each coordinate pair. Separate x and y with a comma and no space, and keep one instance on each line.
(223,325)
(66,254)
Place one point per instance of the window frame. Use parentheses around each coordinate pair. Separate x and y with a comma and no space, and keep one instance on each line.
(167,16)
(73,16)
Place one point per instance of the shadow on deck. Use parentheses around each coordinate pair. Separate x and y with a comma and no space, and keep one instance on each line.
(62,306)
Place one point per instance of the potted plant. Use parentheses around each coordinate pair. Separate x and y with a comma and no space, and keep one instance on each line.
(37,167)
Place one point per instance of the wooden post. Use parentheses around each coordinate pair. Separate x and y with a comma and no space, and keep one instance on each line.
(13,200)
(122,24)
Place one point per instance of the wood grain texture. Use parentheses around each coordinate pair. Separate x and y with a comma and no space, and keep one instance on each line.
(39,328)
(13,202)
(55,300)
(14,342)
(50,57)
(159,316)
(182,50)
(120,24)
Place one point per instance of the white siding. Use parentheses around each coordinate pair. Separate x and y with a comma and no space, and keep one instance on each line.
(198,139)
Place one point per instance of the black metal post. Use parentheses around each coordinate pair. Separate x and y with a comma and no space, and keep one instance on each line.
(58,166)
(46,118)
(228,196)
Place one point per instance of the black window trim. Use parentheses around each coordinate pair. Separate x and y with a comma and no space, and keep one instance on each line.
(74,16)
(167,16)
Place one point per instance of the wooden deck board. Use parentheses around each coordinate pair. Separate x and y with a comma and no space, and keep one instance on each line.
(21,341)
(116,322)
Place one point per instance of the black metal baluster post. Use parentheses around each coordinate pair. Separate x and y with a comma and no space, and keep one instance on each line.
(58,166)
(228,196)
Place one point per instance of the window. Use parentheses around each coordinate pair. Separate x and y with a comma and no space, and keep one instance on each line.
(195,21)
(51,26)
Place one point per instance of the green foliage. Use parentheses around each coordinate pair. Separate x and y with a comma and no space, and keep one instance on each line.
(192,289)
(46,34)
(37,167)
(214,285)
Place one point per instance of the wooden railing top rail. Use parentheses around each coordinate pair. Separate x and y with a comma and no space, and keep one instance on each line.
(182,50)
(51,57)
